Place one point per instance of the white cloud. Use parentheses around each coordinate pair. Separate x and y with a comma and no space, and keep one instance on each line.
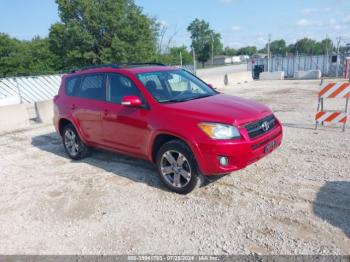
(227,1)
(307,22)
(162,22)
(234,44)
(346,20)
(332,21)
(309,11)
(303,22)
(261,40)
(236,28)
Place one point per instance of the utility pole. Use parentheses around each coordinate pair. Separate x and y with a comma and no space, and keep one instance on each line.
(338,46)
(212,49)
(180,58)
(194,61)
(327,55)
(268,53)
(18,89)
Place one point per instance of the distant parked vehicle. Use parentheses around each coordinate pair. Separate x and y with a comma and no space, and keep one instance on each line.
(165,115)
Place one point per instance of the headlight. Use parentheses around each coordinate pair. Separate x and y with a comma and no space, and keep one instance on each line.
(220,131)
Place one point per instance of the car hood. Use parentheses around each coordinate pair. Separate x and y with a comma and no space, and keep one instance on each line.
(222,108)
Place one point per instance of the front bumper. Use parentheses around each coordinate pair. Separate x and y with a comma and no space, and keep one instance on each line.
(240,153)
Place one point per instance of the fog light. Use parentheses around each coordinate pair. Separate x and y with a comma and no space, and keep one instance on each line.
(223,161)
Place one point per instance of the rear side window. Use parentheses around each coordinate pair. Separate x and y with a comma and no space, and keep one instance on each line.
(92,87)
(70,85)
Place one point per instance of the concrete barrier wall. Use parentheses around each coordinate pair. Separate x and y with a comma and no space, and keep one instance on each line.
(239,77)
(13,117)
(44,111)
(312,74)
(10,100)
(218,81)
(278,75)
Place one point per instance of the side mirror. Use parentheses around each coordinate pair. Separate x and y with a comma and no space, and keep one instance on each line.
(210,85)
(131,101)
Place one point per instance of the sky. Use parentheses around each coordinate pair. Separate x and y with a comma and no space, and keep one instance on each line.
(240,22)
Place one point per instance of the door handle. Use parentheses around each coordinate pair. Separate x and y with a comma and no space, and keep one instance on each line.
(72,107)
(109,116)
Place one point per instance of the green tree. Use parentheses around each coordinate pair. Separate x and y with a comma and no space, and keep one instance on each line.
(8,50)
(305,46)
(278,47)
(248,50)
(96,31)
(40,59)
(203,39)
(326,45)
(311,47)
(172,57)
(229,51)
(185,54)
(25,57)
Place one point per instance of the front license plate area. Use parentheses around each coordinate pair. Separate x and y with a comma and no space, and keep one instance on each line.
(270,147)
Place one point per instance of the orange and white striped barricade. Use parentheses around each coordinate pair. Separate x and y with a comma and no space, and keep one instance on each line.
(333,90)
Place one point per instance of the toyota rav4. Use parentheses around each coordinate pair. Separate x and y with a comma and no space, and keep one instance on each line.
(165,115)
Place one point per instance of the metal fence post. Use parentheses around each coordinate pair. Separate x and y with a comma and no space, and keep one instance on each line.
(18,90)
(346,108)
(293,66)
(346,111)
(323,66)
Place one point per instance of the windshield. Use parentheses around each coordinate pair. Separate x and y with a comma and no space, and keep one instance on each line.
(174,86)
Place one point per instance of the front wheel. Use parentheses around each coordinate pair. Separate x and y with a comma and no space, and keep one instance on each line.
(177,167)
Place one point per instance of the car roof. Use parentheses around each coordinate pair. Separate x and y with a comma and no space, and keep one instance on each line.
(131,68)
(147,69)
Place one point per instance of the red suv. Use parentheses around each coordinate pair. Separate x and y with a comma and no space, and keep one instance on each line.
(165,115)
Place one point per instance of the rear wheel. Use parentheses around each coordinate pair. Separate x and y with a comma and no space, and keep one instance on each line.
(177,167)
(72,143)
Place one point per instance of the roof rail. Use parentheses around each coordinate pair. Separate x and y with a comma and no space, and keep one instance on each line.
(96,66)
(116,66)
(145,64)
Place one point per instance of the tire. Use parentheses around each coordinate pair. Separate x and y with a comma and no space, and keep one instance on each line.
(74,147)
(177,167)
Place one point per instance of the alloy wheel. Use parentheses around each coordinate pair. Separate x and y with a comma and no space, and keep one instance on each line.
(175,168)
(71,142)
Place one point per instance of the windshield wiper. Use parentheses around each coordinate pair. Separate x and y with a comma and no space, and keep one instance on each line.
(178,100)
(198,97)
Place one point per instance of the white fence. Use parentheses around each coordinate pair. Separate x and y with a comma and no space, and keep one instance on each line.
(28,89)
(32,89)
(326,63)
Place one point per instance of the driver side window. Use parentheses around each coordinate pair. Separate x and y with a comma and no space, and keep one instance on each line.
(119,86)
(181,84)
(178,83)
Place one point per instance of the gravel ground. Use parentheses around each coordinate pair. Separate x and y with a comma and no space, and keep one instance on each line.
(295,201)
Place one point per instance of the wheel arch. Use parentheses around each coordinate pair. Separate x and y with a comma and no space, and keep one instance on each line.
(62,123)
(163,137)
(66,121)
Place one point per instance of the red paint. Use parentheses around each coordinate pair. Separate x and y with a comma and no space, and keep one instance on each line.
(133,129)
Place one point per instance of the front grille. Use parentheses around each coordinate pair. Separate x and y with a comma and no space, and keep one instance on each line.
(261,127)
(266,141)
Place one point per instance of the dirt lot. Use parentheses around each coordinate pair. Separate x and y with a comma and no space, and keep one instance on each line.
(295,201)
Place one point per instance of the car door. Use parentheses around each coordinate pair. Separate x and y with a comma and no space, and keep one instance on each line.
(88,106)
(125,128)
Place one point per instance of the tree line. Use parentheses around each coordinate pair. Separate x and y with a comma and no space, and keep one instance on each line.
(305,46)
(117,31)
